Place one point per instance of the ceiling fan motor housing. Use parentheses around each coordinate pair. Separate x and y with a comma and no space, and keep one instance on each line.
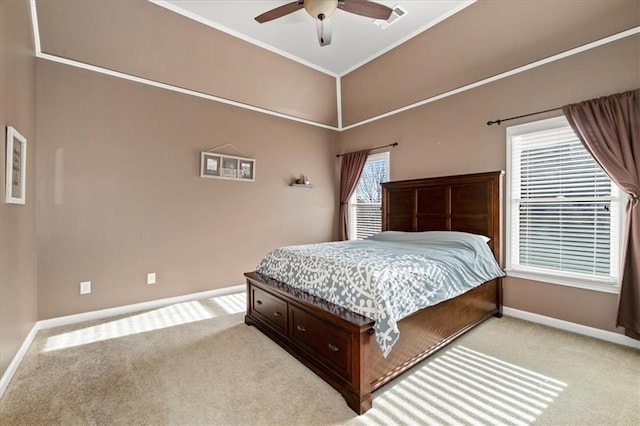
(320,9)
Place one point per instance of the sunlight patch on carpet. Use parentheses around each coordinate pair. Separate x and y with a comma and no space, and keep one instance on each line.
(231,303)
(168,316)
(463,386)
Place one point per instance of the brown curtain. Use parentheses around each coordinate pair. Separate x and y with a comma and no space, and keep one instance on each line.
(609,127)
(350,171)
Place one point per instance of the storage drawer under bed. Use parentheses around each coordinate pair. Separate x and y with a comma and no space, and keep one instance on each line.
(269,309)
(328,343)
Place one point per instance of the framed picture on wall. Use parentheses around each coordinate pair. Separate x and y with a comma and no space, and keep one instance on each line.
(210,165)
(16,167)
(229,167)
(246,169)
(222,166)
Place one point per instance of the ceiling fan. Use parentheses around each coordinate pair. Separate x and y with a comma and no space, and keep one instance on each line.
(321,11)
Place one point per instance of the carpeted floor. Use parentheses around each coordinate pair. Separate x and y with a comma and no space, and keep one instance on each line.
(197,363)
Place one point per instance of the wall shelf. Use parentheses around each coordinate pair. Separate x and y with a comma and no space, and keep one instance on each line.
(302,185)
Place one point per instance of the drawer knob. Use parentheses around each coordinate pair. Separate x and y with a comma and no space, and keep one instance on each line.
(301,327)
(333,348)
(259,302)
(277,314)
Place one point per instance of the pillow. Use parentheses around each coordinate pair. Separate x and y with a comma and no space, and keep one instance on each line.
(425,236)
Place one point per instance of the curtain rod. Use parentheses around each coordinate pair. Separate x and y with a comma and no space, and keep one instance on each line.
(377,147)
(500,120)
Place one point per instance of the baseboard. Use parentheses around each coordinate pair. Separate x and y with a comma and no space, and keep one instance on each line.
(136,307)
(103,313)
(597,333)
(17,359)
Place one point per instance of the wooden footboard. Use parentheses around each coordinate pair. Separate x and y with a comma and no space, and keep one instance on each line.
(332,341)
(339,345)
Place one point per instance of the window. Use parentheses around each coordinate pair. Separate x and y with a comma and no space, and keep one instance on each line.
(365,206)
(563,211)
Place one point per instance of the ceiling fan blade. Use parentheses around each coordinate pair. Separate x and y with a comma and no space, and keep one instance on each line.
(323,26)
(365,8)
(279,12)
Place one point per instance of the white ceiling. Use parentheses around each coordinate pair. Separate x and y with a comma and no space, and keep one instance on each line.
(356,39)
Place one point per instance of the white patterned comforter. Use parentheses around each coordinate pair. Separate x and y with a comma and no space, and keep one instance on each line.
(387,276)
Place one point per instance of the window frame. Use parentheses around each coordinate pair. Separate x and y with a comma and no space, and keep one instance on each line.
(386,155)
(514,269)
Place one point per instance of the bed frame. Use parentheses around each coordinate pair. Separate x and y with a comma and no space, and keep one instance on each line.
(338,344)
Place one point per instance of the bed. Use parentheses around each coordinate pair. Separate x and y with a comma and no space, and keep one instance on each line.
(339,345)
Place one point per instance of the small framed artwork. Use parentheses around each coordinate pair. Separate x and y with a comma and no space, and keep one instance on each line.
(246,169)
(16,167)
(229,167)
(222,166)
(209,165)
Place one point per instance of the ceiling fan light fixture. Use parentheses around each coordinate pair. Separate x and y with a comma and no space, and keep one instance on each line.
(320,9)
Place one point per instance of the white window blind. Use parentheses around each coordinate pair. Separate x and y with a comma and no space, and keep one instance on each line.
(366,203)
(564,210)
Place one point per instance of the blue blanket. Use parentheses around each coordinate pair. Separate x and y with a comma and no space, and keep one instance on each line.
(387,276)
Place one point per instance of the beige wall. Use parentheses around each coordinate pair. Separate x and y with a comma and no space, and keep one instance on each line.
(450,137)
(485,39)
(119,192)
(18,281)
(146,40)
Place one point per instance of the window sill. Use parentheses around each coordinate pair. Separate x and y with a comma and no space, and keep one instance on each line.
(566,281)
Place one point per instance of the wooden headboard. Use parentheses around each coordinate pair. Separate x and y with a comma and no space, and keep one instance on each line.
(469,203)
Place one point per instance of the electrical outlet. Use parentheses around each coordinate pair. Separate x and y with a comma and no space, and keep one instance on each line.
(85,287)
(151,278)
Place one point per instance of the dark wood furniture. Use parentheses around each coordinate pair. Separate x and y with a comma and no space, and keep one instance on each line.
(338,344)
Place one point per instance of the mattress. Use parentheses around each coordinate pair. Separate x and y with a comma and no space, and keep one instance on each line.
(387,276)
